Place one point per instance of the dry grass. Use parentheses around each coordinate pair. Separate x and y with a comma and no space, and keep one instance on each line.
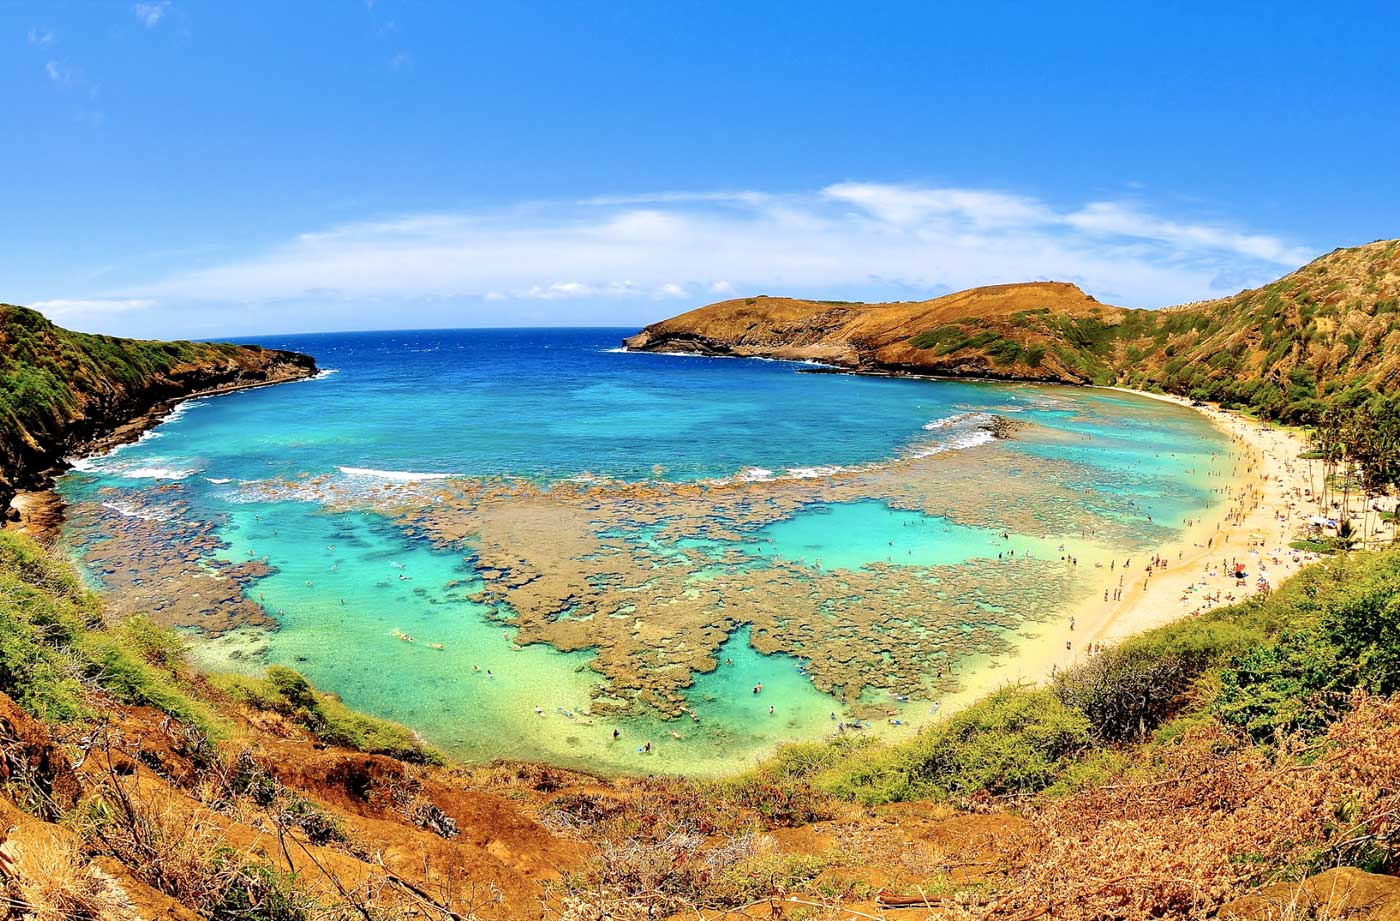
(1213,819)
(49,879)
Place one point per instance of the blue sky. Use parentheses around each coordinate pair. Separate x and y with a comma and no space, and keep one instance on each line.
(214,168)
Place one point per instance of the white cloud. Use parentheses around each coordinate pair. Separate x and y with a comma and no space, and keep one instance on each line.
(63,307)
(1112,218)
(557,291)
(150,13)
(579,261)
(41,38)
(910,205)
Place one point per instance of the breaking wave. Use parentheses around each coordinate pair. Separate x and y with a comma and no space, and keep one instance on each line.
(398,476)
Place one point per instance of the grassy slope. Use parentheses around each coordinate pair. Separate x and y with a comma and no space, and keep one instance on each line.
(63,662)
(1330,329)
(60,389)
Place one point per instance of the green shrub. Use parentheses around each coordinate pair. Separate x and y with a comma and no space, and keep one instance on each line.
(1361,617)
(1287,686)
(157,646)
(1016,740)
(257,891)
(131,681)
(52,641)
(1344,634)
(292,689)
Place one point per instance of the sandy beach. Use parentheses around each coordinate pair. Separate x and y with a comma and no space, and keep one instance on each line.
(1266,505)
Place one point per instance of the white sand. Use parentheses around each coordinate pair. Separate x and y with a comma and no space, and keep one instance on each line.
(1267,506)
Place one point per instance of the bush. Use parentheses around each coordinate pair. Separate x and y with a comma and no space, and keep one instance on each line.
(1347,636)
(292,689)
(1124,694)
(1287,686)
(1361,617)
(1017,740)
(256,890)
(131,681)
(781,790)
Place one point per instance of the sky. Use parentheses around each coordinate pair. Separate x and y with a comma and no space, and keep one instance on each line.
(202,169)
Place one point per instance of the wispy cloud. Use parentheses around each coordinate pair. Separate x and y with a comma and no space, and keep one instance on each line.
(1106,218)
(63,74)
(67,78)
(913,206)
(856,240)
(150,14)
(65,307)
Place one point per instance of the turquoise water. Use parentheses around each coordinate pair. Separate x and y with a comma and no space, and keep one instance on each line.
(852,534)
(349,584)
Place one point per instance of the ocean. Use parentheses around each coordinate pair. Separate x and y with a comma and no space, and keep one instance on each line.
(519,541)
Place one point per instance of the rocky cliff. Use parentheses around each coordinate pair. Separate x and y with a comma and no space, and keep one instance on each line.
(64,393)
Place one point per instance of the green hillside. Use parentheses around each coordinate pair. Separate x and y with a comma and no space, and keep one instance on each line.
(60,390)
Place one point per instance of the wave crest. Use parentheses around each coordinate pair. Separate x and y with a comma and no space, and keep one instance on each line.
(398,476)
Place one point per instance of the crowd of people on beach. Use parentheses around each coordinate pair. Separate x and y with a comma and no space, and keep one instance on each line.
(1226,573)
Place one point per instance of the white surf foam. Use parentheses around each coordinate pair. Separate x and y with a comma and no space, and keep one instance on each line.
(955,419)
(812,473)
(962,442)
(177,413)
(127,510)
(401,476)
(153,473)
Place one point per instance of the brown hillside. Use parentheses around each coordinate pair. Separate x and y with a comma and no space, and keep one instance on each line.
(870,336)
(1330,329)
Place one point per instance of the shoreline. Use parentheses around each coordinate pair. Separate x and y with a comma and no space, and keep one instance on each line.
(1253,524)
(38,513)
(817,365)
